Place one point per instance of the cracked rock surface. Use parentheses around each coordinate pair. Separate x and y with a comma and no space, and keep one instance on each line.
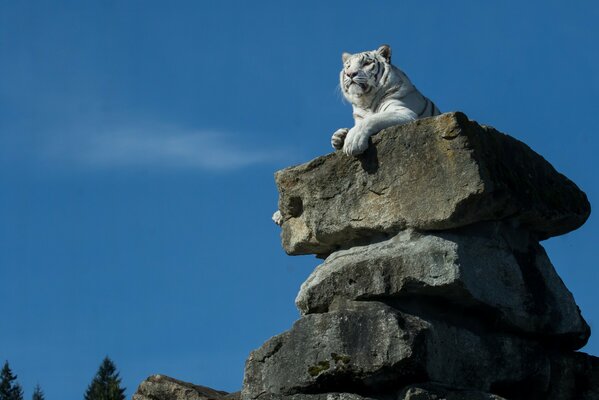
(371,349)
(491,271)
(435,173)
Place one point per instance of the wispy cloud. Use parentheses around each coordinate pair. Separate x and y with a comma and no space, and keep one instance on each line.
(162,147)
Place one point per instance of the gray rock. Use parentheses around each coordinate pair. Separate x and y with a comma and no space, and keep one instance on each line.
(161,387)
(369,347)
(438,392)
(501,276)
(316,396)
(414,392)
(433,174)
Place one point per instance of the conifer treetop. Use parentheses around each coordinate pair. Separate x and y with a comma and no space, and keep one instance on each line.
(106,384)
(38,394)
(9,387)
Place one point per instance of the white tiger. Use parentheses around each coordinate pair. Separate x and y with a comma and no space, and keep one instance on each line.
(381,96)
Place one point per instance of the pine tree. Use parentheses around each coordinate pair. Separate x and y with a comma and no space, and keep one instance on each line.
(106,385)
(9,388)
(37,393)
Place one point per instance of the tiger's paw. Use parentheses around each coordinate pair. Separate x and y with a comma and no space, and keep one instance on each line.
(338,138)
(356,141)
(277,217)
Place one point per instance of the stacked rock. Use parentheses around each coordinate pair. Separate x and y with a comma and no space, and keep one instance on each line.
(434,284)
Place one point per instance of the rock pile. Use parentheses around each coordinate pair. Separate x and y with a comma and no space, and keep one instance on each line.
(434,284)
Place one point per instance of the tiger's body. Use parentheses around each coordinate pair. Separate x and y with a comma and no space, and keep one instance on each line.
(381,96)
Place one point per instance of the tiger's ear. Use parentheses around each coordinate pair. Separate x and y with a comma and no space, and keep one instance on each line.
(385,51)
(345,56)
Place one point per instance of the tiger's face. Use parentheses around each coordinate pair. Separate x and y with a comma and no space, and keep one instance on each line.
(362,72)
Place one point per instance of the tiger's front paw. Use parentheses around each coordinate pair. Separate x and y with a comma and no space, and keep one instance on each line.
(356,141)
(277,217)
(338,138)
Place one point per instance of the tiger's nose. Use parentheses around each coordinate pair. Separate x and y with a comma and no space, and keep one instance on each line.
(351,74)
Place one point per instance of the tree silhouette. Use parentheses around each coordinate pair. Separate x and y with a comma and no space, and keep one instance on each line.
(106,385)
(37,393)
(9,388)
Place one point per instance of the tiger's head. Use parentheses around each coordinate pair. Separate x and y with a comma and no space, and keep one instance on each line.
(362,73)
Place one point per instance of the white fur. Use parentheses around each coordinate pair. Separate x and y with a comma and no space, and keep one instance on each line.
(277,217)
(381,96)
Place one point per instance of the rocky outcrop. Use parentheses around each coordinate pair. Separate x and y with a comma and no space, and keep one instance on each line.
(433,174)
(434,284)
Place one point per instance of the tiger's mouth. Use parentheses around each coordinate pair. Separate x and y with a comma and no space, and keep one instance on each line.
(361,85)
(357,89)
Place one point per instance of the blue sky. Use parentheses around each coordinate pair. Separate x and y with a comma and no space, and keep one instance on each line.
(138,142)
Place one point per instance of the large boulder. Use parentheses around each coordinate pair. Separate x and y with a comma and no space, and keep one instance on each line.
(490,272)
(433,174)
(370,348)
(162,387)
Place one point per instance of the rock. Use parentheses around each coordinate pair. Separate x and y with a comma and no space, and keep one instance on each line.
(438,392)
(161,387)
(316,396)
(337,352)
(414,392)
(497,273)
(433,174)
(574,376)
(370,348)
